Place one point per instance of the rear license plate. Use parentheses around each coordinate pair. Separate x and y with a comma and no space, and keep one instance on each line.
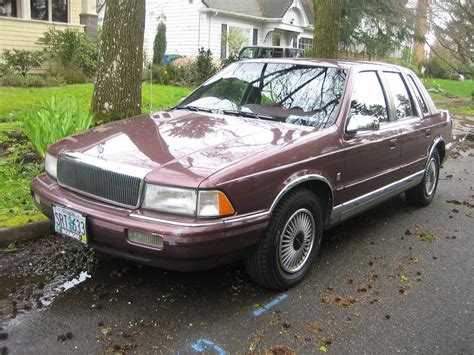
(70,223)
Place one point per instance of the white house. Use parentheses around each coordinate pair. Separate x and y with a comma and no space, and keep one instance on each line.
(192,24)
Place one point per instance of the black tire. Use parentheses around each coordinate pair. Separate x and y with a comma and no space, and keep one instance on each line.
(267,265)
(423,193)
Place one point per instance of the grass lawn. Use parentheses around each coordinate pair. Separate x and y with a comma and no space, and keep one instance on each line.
(15,100)
(459,89)
(19,163)
(454,96)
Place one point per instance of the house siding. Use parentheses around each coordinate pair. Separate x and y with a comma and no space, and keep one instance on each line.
(190,26)
(18,33)
(186,26)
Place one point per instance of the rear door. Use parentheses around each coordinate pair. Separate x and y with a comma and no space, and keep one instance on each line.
(372,158)
(411,113)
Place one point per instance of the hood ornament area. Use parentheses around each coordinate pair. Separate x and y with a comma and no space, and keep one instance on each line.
(100,150)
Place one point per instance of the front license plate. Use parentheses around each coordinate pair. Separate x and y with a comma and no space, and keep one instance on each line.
(70,223)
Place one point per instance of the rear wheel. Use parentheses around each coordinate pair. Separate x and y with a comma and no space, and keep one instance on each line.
(423,193)
(292,239)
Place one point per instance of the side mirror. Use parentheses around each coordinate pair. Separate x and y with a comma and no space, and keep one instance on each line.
(362,123)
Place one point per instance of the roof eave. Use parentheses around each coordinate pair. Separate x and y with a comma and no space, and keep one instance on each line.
(236,14)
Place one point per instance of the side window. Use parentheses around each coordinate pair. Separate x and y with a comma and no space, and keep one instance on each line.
(247,53)
(368,98)
(419,96)
(401,97)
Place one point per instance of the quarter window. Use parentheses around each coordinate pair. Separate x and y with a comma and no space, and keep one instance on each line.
(400,95)
(368,98)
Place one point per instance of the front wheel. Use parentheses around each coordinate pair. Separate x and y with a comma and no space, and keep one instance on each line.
(423,193)
(292,239)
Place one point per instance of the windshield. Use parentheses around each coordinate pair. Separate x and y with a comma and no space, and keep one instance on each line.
(292,93)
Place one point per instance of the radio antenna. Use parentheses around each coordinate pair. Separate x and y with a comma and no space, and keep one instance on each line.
(151,88)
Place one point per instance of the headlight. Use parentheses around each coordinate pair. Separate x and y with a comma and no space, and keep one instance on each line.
(170,200)
(51,165)
(185,201)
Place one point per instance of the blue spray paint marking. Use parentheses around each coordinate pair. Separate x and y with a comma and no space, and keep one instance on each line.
(273,303)
(202,345)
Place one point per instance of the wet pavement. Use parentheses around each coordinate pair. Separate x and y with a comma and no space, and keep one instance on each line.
(395,279)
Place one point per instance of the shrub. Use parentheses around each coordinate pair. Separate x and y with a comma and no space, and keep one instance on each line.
(160,75)
(183,72)
(236,39)
(205,66)
(230,59)
(4,70)
(72,49)
(22,61)
(437,68)
(38,81)
(71,76)
(159,45)
(192,71)
(48,122)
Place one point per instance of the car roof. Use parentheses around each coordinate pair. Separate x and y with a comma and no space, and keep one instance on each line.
(344,64)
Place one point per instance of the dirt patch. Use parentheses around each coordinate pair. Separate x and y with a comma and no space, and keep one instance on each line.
(17,143)
(31,273)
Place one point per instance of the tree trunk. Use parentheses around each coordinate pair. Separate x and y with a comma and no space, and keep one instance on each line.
(327,28)
(117,89)
(421,31)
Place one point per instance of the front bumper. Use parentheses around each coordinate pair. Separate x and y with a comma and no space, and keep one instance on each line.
(188,244)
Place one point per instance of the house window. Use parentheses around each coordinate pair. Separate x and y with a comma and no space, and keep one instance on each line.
(39,10)
(59,10)
(305,43)
(276,40)
(8,8)
(49,10)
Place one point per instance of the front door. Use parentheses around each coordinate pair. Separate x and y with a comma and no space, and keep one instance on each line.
(372,158)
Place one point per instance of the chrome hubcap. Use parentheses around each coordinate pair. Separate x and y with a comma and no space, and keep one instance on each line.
(296,241)
(430,177)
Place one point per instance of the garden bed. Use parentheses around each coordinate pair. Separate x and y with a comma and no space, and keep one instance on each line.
(19,163)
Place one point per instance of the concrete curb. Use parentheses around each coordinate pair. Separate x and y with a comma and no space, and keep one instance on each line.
(25,232)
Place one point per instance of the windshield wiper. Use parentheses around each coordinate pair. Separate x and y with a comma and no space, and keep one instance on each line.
(249,115)
(194,108)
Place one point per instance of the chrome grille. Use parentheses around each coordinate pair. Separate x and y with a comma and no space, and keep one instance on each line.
(89,178)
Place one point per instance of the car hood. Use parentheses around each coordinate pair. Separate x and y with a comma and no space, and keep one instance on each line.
(179,147)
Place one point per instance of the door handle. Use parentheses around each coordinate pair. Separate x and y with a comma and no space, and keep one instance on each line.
(428,133)
(393,143)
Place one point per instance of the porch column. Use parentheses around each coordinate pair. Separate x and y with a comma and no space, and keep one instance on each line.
(88,18)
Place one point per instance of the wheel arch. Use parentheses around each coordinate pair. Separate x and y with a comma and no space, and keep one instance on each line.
(440,146)
(317,184)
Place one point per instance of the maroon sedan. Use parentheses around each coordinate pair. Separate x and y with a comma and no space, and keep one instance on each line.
(253,165)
